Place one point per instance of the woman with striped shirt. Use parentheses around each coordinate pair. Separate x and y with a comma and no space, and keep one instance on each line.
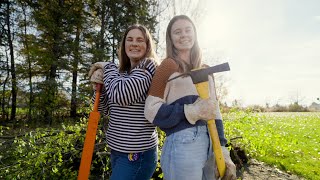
(132,139)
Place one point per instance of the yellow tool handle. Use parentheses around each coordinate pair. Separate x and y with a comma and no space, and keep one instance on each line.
(203,91)
(90,139)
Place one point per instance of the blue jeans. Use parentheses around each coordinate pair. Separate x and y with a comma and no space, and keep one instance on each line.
(185,153)
(140,169)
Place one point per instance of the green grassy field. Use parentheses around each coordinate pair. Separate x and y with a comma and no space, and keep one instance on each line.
(289,141)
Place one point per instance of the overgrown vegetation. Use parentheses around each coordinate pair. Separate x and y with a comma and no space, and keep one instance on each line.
(289,141)
(55,153)
(51,153)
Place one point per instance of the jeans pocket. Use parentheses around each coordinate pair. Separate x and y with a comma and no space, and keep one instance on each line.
(186,136)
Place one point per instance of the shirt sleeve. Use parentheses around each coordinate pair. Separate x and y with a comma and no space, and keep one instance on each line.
(126,89)
(103,104)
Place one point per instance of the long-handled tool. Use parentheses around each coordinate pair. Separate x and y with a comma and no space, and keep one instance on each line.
(200,79)
(89,141)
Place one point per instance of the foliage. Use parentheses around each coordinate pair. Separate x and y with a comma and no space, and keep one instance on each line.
(49,153)
(289,141)
(55,153)
(158,172)
(56,42)
(296,107)
(293,107)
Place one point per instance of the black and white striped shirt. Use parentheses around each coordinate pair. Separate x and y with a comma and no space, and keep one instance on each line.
(123,99)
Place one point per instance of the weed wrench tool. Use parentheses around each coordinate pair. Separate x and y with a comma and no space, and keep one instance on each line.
(89,141)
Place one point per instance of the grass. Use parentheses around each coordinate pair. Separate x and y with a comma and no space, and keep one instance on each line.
(289,141)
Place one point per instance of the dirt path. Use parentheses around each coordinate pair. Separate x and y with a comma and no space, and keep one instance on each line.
(255,170)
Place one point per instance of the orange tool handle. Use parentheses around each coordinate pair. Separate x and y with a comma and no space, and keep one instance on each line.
(89,141)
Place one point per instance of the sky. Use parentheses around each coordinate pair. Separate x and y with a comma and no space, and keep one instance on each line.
(272,47)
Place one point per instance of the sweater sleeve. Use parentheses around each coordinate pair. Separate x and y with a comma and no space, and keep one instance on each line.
(125,89)
(157,111)
(220,129)
(163,115)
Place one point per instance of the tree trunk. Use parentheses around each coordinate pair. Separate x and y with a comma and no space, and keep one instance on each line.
(4,112)
(13,71)
(51,89)
(26,45)
(103,28)
(73,111)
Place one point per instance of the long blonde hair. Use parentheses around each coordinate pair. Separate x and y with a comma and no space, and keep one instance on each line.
(172,52)
(124,60)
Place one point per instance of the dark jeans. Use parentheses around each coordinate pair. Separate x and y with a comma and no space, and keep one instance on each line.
(140,169)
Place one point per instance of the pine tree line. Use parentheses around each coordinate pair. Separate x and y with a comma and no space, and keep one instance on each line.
(47,47)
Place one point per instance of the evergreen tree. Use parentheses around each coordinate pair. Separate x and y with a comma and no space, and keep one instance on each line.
(57,43)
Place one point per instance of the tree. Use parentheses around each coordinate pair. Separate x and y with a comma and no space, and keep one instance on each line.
(7,32)
(57,42)
(114,17)
(76,19)
(52,27)
(296,107)
(25,51)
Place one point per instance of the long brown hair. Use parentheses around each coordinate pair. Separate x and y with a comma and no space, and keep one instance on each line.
(124,61)
(172,52)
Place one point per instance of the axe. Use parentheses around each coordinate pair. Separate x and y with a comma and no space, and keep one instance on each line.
(200,80)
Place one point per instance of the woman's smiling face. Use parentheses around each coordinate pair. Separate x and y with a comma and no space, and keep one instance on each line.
(135,45)
(182,35)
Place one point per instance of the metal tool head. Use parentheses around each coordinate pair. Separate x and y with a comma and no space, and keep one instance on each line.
(201,75)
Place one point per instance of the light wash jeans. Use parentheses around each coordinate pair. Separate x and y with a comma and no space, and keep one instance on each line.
(185,153)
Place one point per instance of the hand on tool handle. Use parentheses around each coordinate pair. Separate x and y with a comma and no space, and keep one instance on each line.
(200,109)
(96,66)
(96,73)
(231,170)
(96,77)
